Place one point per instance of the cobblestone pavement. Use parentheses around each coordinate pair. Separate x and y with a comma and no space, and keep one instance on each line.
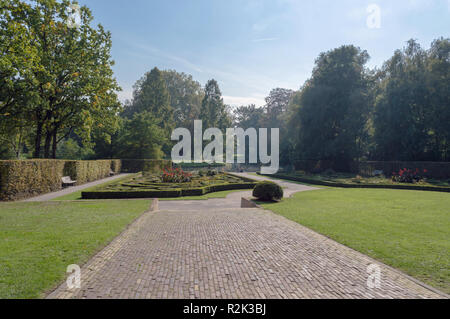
(231,253)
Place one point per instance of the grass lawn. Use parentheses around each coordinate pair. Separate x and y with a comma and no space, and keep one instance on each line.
(408,230)
(39,240)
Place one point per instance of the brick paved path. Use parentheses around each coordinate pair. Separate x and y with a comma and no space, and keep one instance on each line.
(220,252)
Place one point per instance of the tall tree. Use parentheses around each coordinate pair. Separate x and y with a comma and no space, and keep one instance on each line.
(214,113)
(74,85)
(333,107)
(276,105)
(152,96)
(186,97)
(142,137)
(403,110)
(18,64)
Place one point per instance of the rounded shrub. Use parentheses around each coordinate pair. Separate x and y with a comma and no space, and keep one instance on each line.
(268,191)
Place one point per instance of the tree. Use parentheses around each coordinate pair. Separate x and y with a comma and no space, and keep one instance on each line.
(142,137)
(439,86)
(276,105)
(333,106)
(18,63)
(151,96)
(186,97)
(214,113)
(248,116)
(73,86)
(411,112)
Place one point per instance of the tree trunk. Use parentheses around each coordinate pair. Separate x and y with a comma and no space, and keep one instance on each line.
(37,142)
(55,142)
(48,140)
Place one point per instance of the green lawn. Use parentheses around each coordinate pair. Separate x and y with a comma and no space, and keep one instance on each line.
(39,240)
(408,230)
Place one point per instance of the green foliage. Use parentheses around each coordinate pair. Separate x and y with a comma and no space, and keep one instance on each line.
(70,150)
(333,107)
(151,112)
(411,111)
(213,111)
(268,191)
(186,97)
(67,83)
(142,137)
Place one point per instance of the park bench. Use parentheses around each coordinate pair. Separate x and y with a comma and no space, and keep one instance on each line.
(111,173)
(67,181)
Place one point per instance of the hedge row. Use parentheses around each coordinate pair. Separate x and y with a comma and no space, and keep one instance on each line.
(144,165)
(22,179)
(87,171)
(28,178)
(116,166)
(166,193)
(342,185)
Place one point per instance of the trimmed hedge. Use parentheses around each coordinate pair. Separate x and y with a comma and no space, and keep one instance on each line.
(342,185)
(20,179)
(145,165)
(116,166)
(173,193)
(87,171)
(23,179)
(268,191)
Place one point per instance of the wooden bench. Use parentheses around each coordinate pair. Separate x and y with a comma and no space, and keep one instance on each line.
(67,181)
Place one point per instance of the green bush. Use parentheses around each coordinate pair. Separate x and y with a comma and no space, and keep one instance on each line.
(268,191)
(27,178)
(145,165)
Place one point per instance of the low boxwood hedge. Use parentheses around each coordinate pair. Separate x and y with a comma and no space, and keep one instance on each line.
(342,185)
(173,193)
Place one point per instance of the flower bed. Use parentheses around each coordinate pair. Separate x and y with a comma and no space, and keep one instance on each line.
(169,184)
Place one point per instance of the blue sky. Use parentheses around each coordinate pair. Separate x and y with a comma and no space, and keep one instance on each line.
(250,47)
